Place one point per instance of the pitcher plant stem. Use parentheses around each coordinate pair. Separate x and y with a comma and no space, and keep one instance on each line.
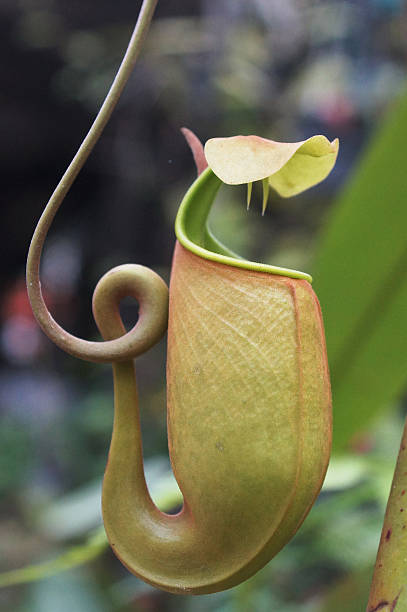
(83,349)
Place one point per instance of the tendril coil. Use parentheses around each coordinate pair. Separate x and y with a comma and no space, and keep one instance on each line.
(128,280)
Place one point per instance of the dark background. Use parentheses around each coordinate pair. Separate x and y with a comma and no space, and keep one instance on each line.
(284,70)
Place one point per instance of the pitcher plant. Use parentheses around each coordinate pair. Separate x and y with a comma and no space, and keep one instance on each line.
(248,392)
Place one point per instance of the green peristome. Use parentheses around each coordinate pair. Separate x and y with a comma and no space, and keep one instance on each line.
(191,228)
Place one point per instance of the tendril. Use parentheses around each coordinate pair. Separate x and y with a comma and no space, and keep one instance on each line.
(136,281)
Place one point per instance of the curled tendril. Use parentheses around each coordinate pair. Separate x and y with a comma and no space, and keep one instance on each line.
(130,280)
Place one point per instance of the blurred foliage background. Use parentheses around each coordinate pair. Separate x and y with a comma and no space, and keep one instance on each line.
(284,70)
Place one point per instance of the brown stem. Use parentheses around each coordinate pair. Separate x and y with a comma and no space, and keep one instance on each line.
(129,345)
(389,586)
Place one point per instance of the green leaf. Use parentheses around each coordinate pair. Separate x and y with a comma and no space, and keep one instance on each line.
(360,276)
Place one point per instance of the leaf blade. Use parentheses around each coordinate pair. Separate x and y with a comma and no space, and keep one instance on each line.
(360,276)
